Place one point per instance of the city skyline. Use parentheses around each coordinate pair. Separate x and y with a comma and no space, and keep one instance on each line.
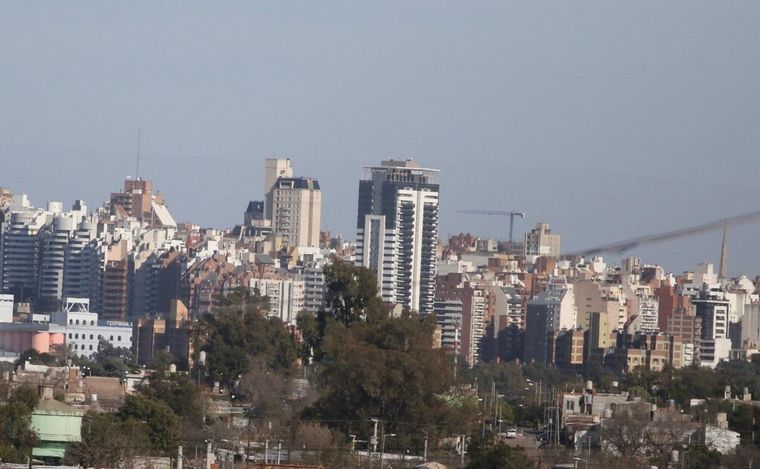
(497,229)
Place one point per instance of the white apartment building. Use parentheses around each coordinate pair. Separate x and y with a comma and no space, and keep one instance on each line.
(286,297)
(53,256)
(84,330)
(477,325)
(449,317)
(397,232)
(313,278)
(20,251)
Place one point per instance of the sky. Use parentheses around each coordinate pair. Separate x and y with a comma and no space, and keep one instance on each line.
(605,119)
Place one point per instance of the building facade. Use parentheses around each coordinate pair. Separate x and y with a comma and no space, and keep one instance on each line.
(397,232)
(296,210)
(541,242)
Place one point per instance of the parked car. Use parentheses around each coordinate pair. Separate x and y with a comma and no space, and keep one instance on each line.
(512,433)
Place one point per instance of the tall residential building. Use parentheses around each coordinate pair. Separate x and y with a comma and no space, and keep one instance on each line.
(20,252)
(541,242)
(53,261)
(448,311)
(274,169)
(85,257)
(138,201)
(116,279)
(155,283)
(397,231)
(313,276)
(296,210)
(552,311)
(713,309)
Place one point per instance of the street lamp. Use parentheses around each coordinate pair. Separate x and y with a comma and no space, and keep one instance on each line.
(382,447)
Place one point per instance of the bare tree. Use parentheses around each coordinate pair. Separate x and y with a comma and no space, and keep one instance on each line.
(664,434)
(625,433)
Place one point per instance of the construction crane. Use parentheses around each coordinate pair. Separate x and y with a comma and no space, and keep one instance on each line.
(500,213)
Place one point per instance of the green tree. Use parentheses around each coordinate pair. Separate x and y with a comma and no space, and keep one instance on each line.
(351,294)
(162,426)
(242,299)
(177,391)
(311,337)
(109,361)
(487,453)
(108,441)
(16,435)
(390,370)
(233,335)
(36,358)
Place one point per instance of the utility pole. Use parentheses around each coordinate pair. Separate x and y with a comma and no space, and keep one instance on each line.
(373,441)
(462,448)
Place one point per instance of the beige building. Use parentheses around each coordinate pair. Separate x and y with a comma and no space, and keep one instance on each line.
(274,169)
(541,242)
(588,299)
(296,210)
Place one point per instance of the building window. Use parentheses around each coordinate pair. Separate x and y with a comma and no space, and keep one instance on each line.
(119,338)
(76,346)
(70,335)
(111,339)
(71,321)
(90,346)
(76,336)
(92,323)
(77,322)
(91,337)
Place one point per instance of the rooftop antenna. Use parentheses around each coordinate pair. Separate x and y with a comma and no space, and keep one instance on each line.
(137,165)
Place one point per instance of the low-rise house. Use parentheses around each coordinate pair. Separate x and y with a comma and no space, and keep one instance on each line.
(57,426)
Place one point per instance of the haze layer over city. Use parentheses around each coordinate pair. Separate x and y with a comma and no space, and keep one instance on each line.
(606,120)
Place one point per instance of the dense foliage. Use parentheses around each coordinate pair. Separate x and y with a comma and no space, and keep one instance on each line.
(16,435)
(238,332)
(377,366)
(488,453)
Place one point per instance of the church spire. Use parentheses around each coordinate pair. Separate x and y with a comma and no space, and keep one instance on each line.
(723,272)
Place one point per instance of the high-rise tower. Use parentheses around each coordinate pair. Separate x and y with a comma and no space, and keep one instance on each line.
(397,231)
(274,169)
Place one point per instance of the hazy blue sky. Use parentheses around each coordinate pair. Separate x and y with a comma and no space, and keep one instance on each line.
(607,119)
